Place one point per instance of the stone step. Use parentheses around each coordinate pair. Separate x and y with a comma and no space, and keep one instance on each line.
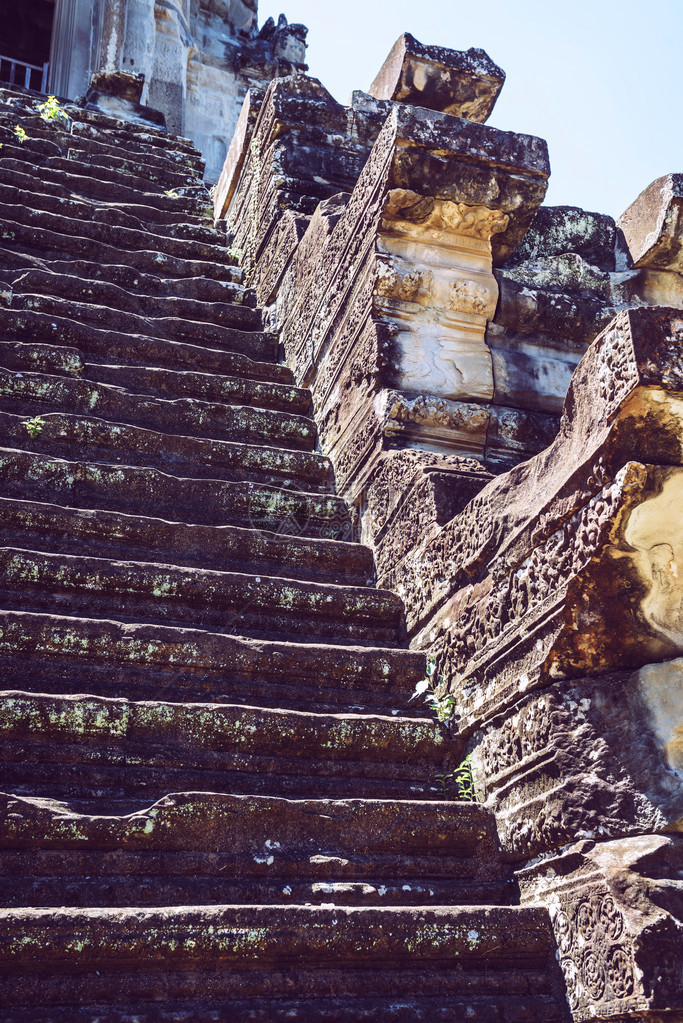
(24,101)
(232,602)
(118,137)
(47,240)
(113,151)
(37,393)
(164,175)
(141,490)
(55,146)
(91,128)
(195,201)
(50,527)
(209,387)
(120,444)
(155,381)
(271,963)
(115,301)
(245,339)
(200,289)
(107,756)
(109,235)
(16,189)
(96,124)
(197,848)
(55,654)
(105,345)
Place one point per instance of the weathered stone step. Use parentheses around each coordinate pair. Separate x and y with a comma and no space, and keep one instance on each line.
(112,301)
(144,174)
(257,962)
(210,387)
(118,445)
(112,151)
(57,654)
(96,124)
(194,848)
(141,490)
(118,136)
(162,383)
(245,338)
(55,146)
(41,358)
(32,393)
(233,602)
(193,201)
(397,1003)
(200,289)
(16,100)
(136,349)
(138,218)
(50,242)
(50,527)
(107,755)
(162,211)
(110,235)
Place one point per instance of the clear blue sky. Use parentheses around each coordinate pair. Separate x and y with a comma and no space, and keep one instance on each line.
(602,81)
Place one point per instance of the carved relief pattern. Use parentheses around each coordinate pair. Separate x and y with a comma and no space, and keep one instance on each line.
(437,214)
(426,410)
(468,297)
(515,594)
(613,367)
(596,957)
(392,284)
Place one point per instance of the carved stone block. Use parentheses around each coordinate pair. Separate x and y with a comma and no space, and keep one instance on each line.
(616,910)
(652,226)
(464,83)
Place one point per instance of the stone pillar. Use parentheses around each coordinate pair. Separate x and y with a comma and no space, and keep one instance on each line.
(168,82)
(76,32)
(389,329)
(435,283)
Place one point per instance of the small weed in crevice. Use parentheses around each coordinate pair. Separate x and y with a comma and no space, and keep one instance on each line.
(34,426)
(464,781)
(20,133)
(50,110)
(437,699)
(171,193)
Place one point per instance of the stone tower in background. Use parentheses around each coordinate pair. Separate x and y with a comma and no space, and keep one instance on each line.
(198,57)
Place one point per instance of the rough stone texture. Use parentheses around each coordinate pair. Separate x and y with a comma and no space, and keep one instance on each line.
(219,802)
(389,327)
(539,599)
(652,227)
(463,83)
(197,61)
(183,606)
(616,908)
(284,159)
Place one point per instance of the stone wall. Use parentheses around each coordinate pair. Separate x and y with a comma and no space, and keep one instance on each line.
(198,58)
(498,384)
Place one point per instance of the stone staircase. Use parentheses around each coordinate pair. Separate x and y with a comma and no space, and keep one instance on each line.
(219,804)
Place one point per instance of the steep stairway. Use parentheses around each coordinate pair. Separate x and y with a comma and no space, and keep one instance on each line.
(218,803)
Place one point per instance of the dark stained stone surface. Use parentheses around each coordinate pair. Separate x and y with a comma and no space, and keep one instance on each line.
(465,83)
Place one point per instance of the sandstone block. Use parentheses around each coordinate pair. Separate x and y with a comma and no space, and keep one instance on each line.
(652,226)
(464,83)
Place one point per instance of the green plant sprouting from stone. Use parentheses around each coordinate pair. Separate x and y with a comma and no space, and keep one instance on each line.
(34,426)
(50,110)
(20,133)
(437,699)
(463,778)
(172,194)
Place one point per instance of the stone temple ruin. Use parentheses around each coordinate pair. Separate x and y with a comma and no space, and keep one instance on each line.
(266,452)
